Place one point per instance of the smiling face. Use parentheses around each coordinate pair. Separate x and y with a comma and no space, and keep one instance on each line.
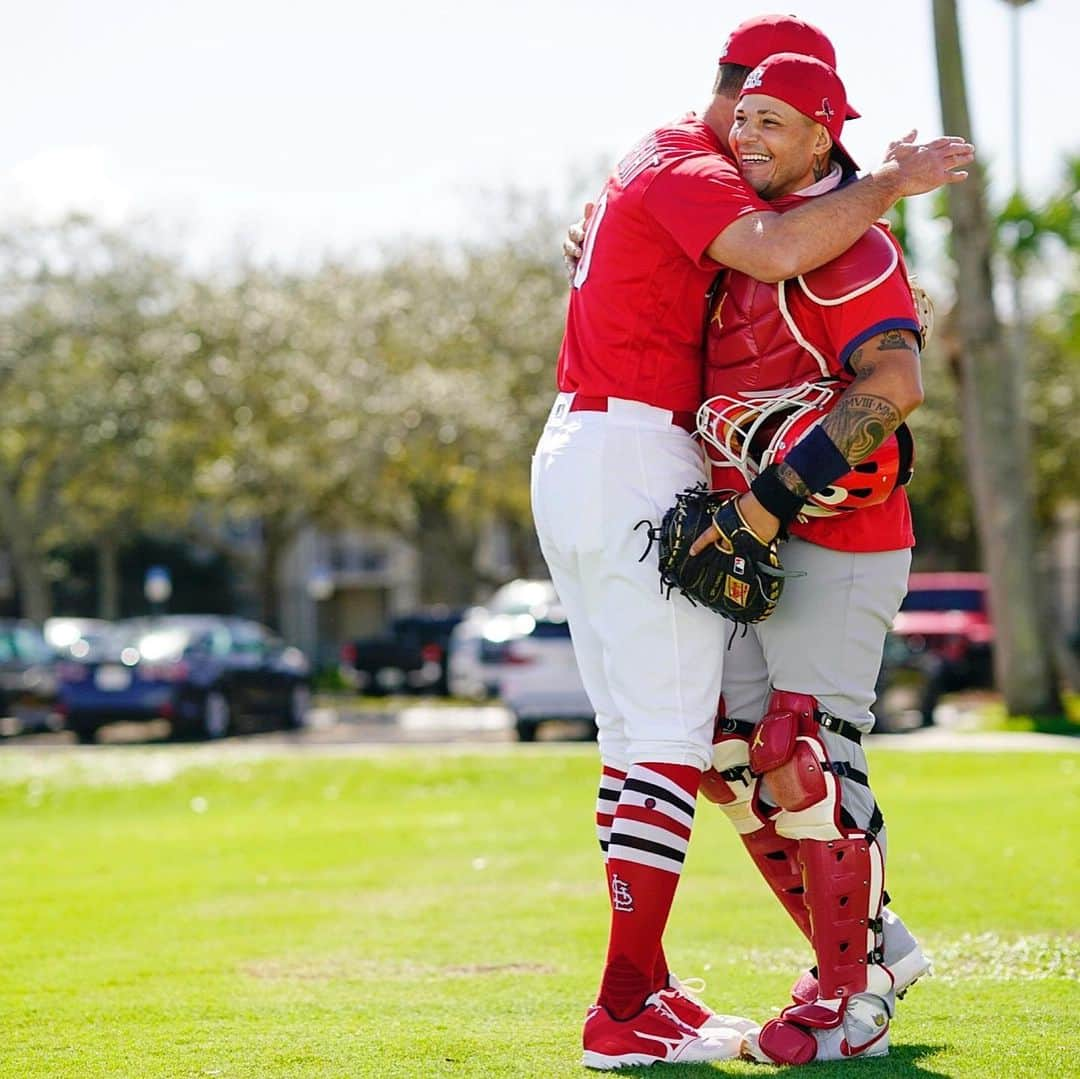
(778,149)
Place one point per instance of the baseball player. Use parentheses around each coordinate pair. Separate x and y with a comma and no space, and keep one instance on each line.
(808,382)
(616,449)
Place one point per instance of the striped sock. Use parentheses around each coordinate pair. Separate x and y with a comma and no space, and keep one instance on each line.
(607,800)
(646,848)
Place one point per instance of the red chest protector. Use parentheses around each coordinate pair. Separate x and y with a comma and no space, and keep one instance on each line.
(749,345)
(764,337)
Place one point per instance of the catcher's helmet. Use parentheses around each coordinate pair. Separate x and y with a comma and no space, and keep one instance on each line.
(754,431)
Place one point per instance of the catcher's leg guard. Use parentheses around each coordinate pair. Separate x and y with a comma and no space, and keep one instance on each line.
(788,750)
(843,877)
(733,787)
(844,883)
(777,859)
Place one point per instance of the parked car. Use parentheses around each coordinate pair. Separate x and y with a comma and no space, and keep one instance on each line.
(909,687)
(208,675)
(409,656)
(477,646)
(74,637)
(540,681)
(28,678)
(941,642)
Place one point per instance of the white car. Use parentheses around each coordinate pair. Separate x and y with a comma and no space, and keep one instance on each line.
(517,647)
(477,642)
(540,680)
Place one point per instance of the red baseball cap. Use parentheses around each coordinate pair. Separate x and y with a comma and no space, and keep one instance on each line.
(753,40)
(808,85)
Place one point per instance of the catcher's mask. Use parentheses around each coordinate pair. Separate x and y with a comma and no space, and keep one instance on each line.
(752,431)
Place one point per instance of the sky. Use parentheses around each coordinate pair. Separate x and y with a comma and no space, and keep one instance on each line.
(293,129)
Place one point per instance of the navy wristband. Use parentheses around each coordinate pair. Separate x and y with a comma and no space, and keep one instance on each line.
(817,460)
(770,491)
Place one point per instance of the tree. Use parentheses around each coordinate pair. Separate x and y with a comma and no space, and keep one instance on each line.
(470,345)
(996,437)
(80,379)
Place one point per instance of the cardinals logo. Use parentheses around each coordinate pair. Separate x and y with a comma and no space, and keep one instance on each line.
(753,80)
(826,110)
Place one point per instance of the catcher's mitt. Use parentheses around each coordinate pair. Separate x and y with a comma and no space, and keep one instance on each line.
(738,576)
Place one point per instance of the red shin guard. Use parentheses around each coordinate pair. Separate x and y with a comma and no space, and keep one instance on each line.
(844,881)
(777,859)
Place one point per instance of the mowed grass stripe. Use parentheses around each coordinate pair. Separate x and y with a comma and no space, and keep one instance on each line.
(429,914)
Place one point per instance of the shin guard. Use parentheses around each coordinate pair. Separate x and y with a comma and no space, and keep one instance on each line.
(777,860)
(844,881)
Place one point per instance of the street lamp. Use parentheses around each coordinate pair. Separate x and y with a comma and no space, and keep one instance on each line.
(1014,65)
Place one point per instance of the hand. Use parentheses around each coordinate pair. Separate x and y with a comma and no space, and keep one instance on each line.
(758,519)
(917,168)
(574,242)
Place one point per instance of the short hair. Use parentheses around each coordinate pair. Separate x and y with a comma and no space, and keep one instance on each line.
(730,78)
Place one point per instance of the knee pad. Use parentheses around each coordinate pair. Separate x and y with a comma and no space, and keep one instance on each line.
(729,782)
(787,748)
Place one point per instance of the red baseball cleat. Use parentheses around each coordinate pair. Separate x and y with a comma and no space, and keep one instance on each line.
(654,1036)
(681,997)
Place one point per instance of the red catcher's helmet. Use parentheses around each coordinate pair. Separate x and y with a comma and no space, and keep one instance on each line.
(753,431)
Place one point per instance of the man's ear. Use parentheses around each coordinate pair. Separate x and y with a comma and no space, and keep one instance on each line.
(824,141)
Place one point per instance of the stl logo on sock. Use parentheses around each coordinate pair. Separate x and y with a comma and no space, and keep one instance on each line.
(621,899)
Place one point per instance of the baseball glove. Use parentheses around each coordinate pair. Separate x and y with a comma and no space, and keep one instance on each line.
(738,576)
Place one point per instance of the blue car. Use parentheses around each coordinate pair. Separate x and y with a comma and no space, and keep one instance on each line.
(208,675)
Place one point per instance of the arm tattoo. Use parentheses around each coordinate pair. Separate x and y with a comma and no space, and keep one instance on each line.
(861,364)
(894,340)
(860,423)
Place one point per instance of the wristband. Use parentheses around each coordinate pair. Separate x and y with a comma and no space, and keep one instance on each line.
(770,491)
(817,460)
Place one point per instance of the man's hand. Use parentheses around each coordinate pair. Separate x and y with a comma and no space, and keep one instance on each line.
(574,242)
(917,168)
(758,519)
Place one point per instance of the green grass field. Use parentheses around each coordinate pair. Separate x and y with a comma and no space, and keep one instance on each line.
(169,913)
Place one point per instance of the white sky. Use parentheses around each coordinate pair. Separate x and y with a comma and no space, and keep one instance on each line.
(301,127)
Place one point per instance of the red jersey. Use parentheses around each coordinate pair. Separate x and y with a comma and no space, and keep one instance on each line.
(637,308)
(770,337)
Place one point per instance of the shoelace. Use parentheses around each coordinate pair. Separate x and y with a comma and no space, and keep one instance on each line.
(691,987)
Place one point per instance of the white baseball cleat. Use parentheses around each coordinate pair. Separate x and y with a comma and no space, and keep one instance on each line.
(826,1030)
(654,1036)
(904,960)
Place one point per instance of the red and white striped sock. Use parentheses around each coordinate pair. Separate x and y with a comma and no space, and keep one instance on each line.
(647,845)
(607,800)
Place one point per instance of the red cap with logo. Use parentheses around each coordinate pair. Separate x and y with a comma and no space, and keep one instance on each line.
(811,87)
(755,39)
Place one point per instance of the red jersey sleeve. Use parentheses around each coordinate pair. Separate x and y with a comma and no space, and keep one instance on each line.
(863,293)
(696,198)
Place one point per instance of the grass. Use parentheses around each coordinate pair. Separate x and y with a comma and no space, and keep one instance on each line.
(174,913)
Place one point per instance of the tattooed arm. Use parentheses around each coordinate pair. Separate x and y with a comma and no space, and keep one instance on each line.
(887,387)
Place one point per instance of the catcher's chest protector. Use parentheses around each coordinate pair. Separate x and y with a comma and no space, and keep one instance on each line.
(749,345)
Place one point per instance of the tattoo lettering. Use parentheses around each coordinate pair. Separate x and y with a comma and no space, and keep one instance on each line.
(860,423)
(821,168)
